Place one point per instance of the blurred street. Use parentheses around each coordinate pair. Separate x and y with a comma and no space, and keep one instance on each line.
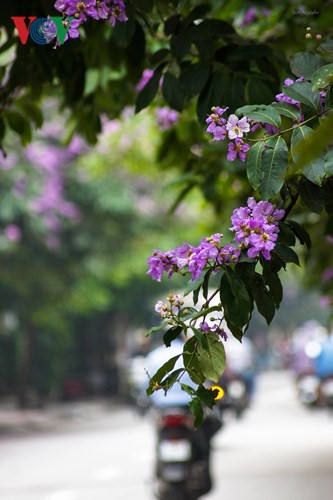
(278,451)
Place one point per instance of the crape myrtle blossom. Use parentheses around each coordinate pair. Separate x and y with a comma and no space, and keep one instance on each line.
(237,148)
(166,117)
(206,328)
(168,310)
(12,232)
(233,128)
(145,77)
(195,259)
(256,227)
(81,10)
(237,127)
(216,124)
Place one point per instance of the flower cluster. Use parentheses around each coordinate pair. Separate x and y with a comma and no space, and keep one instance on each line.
(284,98)
(170,309)
(195,259)
(166,117)
(206,328)
(113,10)
(233,128)
(256,227)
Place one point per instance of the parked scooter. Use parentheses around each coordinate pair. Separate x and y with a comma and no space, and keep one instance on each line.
(183,454)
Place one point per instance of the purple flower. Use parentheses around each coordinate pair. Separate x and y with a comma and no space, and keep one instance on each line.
(61,5)
(237,148)
(117,12)
(12,233)
(237,127)
(228,254)
(256,227)
(145,77)
(327,274)
(73,30)
(160,262)
(166,117)
(250,16)
(80,9)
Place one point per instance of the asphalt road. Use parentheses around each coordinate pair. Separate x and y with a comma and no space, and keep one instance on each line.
(278,451)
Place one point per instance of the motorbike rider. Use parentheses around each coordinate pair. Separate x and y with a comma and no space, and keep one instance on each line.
(324,361)
(177,398)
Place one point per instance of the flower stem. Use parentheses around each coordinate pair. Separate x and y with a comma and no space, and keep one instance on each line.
(291,128)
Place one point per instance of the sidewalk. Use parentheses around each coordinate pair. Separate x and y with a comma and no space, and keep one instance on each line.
(55,416)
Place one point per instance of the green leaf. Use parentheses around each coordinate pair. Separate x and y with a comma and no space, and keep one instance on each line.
(155,380)
(149,91)
(191,363)
(254,163)
(211,95)
(288,110)
(261,113)
(305,64)
(212,28)
(171,379)
(206,396)
(272,280)
(194,77)
(181,43)
(173,92)
(300,233)
(303,93)
(187,312)
(198,13)
(193,285)
(286,254)
(323,77)
(311,195)
(143,5)
(205,286)
(316,142)
(250,51)
(124,32)
(326,47)
(258,91)
(263,299)
(329,163)
(19,124)
(314,170)
(171,335)
(159,56)
(274,166)
(196,408)
(200,336)
(157,328)
(286,235)
(234,92)
(30,110)
(235,299)
(188,389)
(212,358)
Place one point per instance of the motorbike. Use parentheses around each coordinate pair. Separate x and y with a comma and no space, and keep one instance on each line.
(308,388)
(326,391)
(183,454)
(236,394)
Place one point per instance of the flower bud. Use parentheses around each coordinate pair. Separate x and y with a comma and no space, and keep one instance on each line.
(318,37)
(308,35)
(308,28)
